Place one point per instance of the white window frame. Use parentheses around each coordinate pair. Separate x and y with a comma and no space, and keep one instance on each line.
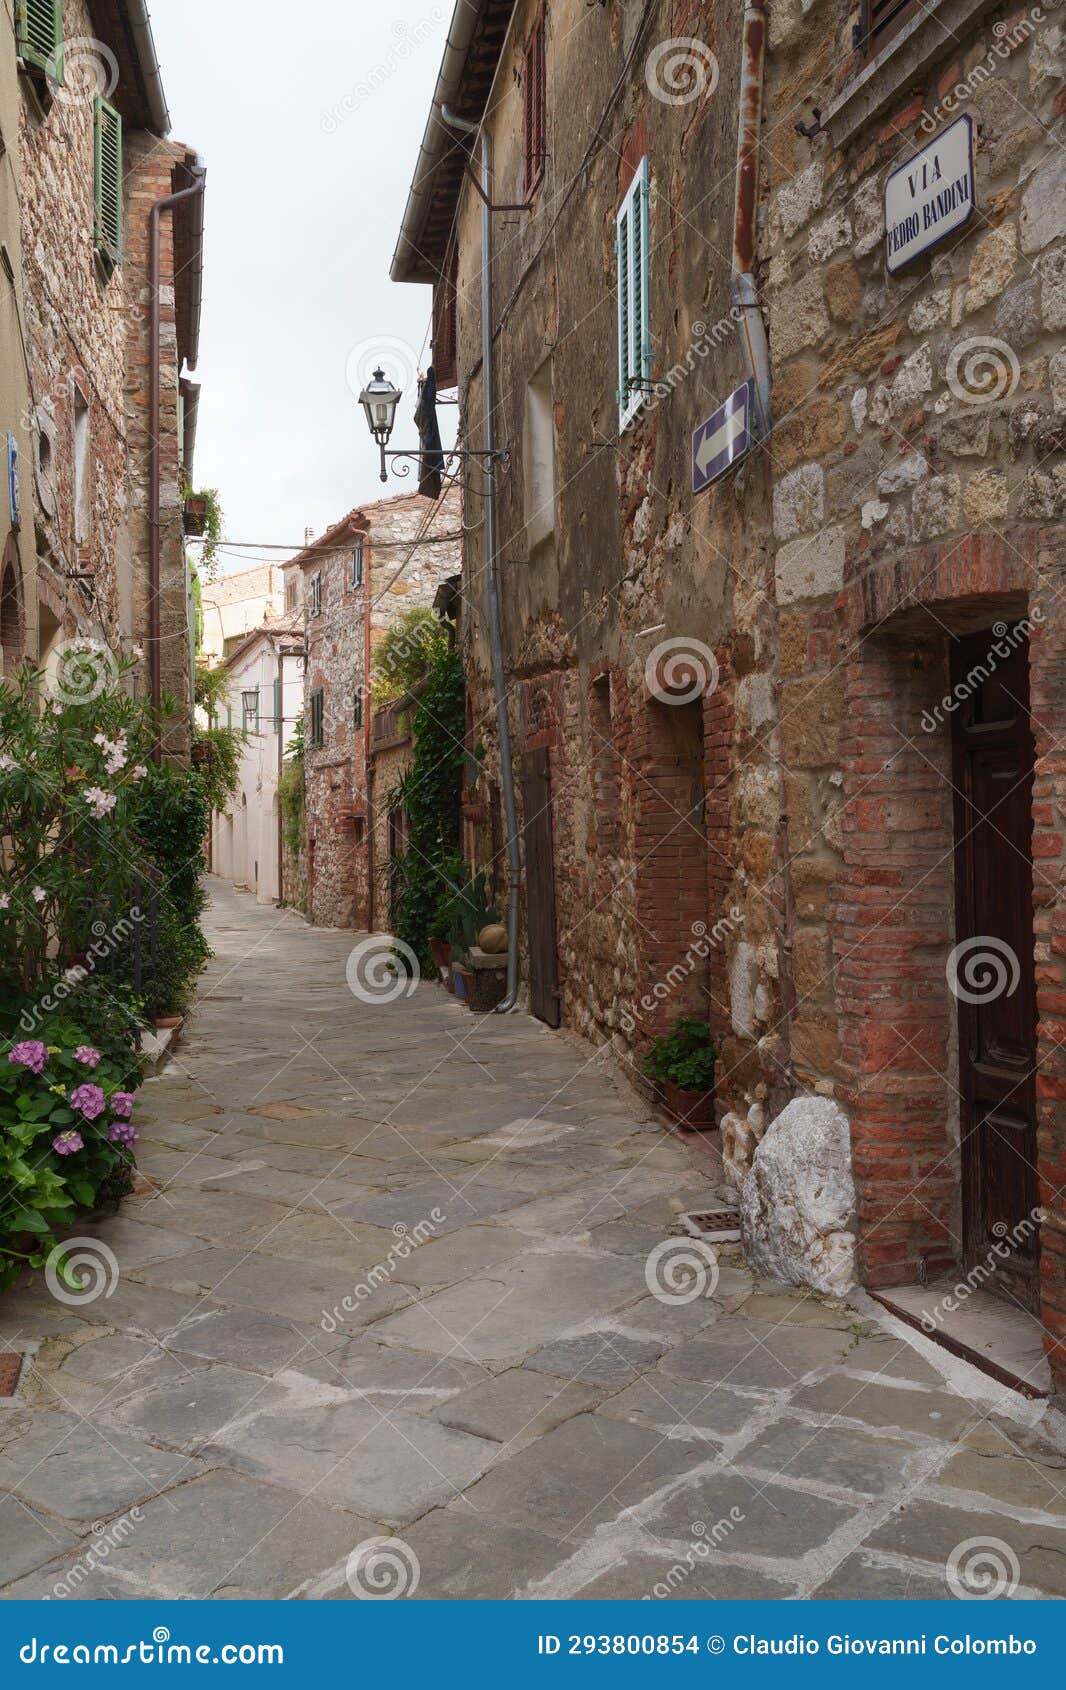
(316,593)
(632,231)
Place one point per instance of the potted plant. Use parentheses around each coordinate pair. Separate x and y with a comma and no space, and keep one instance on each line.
(682,1061)
(462,978)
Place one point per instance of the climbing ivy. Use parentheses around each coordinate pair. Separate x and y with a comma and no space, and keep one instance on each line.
(430,793)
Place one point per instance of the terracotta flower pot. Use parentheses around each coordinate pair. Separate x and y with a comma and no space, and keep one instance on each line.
(690,1108)
(463,980)
(163,1022)
(441,952)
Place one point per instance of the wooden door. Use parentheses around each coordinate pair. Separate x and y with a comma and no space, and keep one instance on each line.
(540,887)
(992,973)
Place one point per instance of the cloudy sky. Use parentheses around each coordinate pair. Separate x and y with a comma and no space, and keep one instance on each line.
(309,118)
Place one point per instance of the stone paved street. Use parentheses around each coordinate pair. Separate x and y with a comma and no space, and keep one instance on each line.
(391,1282)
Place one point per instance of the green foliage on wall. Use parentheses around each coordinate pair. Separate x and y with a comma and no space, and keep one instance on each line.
(430,793)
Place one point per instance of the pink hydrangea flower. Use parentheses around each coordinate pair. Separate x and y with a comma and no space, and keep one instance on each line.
(90,1100)
(68,1143)
(31,1054)
(86,1054)
(122,1103)
(123,1132)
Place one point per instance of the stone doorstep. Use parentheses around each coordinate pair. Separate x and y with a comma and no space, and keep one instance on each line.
(1000,1339)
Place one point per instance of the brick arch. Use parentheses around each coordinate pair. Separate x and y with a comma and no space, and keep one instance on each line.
(892,912)
(12,618)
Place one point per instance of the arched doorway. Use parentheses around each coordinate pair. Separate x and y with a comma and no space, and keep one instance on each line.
(12,626)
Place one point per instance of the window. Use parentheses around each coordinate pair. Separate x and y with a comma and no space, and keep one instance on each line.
(534,82)
(316,594)
(634,331)
(291,589)
(81,466)
(277,702)
(39,37)
(108,152)
(250,710)
(538,459)
(357,708)
(357,562)
(318,702)
(880,19)
(445,297)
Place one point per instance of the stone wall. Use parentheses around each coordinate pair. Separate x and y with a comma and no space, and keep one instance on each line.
(395,579)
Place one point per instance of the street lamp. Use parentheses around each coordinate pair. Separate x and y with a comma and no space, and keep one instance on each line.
(379,400)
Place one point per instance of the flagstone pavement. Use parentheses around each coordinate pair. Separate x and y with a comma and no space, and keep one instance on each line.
(396,1277)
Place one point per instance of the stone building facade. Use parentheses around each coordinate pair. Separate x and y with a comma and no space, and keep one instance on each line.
(762,724)
(93,160)
(380,560)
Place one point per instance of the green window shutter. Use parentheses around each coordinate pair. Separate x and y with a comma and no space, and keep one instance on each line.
(277,699)
(634,322)
(39,36)
(108,184)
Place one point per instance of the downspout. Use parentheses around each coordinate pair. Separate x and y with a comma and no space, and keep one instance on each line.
(155,360)
(745,296)
(492,544)
(280,727)
(757,357)
(367,743)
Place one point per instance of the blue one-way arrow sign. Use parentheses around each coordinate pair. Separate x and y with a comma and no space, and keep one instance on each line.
(723,438)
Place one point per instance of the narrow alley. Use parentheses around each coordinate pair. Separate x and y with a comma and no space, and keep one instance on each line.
(399,1273)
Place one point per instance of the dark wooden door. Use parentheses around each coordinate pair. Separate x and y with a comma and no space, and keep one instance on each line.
(992,972)
(540,886)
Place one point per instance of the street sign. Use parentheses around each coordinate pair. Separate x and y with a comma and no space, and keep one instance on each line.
(723,438)
(931,196)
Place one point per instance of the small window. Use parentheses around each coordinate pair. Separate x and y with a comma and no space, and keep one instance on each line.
(316,594)
(634,330)
(39,38)
(538,459)
(80,413)
(318,706)
(108,161)
(881,19)
(357,708)
(534,83)
(250,710)
(357,562)
(291,588)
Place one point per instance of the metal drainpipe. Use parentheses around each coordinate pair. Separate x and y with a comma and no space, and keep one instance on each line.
(745,296)
(154,360)
(368,753)
(491,540)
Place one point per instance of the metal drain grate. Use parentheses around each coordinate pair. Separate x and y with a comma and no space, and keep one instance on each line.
(10,1368)
(721,1226)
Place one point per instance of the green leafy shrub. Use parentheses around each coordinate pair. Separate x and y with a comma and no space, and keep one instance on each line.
(66,1140)
(413,648)
(430,793)
(686,1055)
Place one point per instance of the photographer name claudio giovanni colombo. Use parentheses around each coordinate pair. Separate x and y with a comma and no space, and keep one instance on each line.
(843,1644)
